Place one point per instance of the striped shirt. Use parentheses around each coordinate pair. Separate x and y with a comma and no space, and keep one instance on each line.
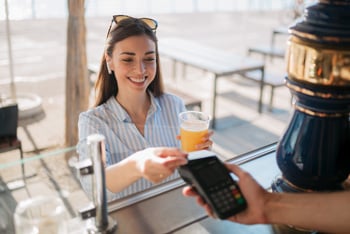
(123,138)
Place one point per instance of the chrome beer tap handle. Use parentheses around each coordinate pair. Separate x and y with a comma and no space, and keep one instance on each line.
(95,166)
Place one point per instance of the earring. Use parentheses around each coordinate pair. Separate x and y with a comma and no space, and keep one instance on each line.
(108,68)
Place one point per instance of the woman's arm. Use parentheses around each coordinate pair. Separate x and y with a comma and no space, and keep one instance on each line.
(153,164)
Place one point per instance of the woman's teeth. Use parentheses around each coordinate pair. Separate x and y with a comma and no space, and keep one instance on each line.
(137,80)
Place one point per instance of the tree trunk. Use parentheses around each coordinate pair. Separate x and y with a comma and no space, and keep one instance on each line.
(77,83)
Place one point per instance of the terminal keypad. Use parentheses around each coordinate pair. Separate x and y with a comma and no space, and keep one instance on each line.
(226,198)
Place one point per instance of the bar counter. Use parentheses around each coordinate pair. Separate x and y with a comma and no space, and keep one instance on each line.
(164,209)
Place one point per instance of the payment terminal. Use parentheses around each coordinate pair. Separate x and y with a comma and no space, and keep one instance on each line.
(211,179)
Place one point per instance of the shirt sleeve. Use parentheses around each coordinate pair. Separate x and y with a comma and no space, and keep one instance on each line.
(87,125)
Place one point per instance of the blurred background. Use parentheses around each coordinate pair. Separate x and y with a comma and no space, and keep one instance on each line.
(33,61)
(43,9)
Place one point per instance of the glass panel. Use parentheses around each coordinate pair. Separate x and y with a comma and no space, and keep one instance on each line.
(49,174)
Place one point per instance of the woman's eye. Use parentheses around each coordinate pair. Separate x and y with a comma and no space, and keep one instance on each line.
(127,60)
(150,59)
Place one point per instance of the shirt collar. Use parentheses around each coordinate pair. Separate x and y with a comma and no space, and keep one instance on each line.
(122,115)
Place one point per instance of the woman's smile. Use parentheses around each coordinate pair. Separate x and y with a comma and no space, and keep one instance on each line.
(137,80)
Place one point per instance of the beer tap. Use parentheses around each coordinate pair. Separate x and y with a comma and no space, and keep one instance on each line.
(94,166)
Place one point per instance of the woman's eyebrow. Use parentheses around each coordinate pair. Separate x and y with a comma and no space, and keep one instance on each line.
(132,53)
(150,52)
(128,53)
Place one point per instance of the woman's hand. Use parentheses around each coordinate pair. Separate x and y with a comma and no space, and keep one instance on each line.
(254,194)
(156,164)
(206,142)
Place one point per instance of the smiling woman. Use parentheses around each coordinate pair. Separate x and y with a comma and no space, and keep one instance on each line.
(134,69)
(133,112)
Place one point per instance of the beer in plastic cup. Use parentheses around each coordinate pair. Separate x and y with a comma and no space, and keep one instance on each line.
(193,127)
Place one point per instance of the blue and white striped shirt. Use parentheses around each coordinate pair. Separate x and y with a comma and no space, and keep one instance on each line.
(123,138)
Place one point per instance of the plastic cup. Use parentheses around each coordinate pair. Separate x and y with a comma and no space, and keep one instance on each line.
(194,126)
(41,215)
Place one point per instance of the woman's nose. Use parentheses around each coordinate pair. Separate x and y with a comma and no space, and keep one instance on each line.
(140,68)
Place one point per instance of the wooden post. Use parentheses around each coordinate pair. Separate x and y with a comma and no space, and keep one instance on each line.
(77,83)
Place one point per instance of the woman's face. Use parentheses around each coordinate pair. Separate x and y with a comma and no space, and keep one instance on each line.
(134,63)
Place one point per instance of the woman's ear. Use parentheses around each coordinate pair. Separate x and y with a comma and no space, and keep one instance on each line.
(108,61)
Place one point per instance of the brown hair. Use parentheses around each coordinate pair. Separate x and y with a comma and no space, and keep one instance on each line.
(106,84)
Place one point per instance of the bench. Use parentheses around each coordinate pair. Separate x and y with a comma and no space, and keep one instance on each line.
(191,102)
(220,63)
(92,70)
(271,80)
(267,51)
(278,31)
(271,51)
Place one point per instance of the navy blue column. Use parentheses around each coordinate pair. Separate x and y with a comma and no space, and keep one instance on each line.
(314,152)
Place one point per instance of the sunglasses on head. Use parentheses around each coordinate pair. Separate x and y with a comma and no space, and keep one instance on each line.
(153,24)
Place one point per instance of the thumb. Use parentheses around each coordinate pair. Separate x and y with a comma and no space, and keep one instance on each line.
(235,169)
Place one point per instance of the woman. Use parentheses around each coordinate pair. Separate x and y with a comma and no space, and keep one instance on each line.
(133,112)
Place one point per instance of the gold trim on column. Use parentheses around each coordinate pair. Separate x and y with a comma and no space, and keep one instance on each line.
(318,38)
(316,64)
(293,186)
(334,2)
(316,94)
(319,114)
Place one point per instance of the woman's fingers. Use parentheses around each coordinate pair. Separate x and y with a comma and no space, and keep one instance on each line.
(172,162)
(165,162)
(170,152)
(206,145)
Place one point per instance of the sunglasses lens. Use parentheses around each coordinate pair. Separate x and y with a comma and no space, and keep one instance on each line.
(150,22)
(118,18)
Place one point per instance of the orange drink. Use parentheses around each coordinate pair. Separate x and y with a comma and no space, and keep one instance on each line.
(193,127)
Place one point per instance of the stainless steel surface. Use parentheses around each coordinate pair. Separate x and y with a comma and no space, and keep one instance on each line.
(213,226)
(169,211)
(210,226)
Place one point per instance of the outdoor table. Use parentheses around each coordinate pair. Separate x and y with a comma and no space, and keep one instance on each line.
(220,63)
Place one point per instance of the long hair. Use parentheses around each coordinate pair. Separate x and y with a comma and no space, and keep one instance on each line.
(106,84)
